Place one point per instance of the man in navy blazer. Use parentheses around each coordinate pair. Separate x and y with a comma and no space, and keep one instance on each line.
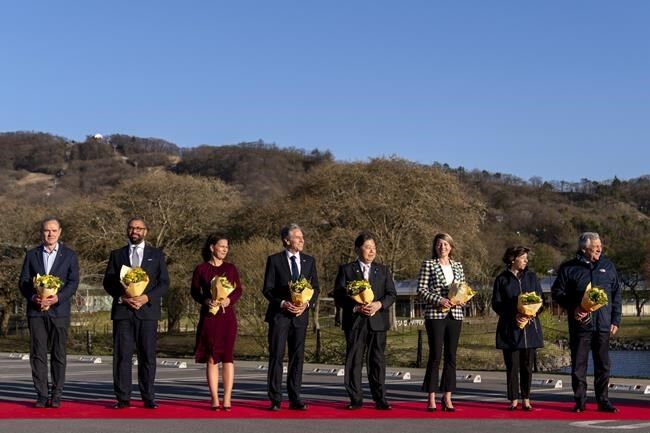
(365,325)
(135,319)
(49,318)
(287,322)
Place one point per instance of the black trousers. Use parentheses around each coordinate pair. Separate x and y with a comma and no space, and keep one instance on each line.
(442,332)
(129,335)
(359,340)
(282,331)
(519,371)
(581,343)
(48,334)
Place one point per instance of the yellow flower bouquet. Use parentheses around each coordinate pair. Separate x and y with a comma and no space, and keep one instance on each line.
(46,286)
(593,299)
(528,304)
(134,281)
(360,291)
(301,291)
(459,294)
(220,288)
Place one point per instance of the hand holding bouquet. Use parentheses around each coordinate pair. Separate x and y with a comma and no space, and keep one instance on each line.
(593,299)
(301,291)
(134,281)
(459,294)
(528,304)
(46,286)
(220,288)
(361,292)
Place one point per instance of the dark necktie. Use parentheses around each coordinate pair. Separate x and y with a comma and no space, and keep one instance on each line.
(295,274)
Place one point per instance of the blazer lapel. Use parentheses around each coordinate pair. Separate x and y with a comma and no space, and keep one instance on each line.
(457,275)
(58,261)
(126,260)
(38,257)
(146,261)
(303,266)
(356,268)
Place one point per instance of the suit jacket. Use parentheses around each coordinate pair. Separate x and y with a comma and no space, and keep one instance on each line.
(276,285)
(66,267)
(382,285)
(432,287)
(153,263)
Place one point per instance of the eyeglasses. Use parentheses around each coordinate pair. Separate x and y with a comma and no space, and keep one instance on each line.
(136,229)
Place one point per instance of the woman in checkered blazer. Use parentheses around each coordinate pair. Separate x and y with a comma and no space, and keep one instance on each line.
(443,320)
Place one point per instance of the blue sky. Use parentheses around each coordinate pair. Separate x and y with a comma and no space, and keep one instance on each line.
(558,89)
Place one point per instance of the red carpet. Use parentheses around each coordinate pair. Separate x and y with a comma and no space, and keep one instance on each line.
(318,410)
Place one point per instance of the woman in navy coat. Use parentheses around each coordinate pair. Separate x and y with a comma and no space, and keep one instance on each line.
(518,344)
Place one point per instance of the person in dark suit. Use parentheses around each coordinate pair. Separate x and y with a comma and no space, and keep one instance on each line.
(365,325)
(49,317)
(135,319)
(589,331)
(287,322)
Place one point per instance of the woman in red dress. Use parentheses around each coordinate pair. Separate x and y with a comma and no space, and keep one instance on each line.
(216,333)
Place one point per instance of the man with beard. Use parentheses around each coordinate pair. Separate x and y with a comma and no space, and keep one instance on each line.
(135,319)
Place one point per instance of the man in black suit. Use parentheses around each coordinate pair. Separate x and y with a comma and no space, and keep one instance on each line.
(135,319)
(365,325)
(287,322)
(49,317)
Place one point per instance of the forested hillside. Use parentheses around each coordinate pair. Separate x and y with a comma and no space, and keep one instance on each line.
(249,190)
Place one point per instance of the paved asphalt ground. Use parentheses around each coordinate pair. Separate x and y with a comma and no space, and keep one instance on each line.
(87,381)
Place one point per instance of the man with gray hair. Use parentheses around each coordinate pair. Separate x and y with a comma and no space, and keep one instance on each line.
(288,321)
(589,331)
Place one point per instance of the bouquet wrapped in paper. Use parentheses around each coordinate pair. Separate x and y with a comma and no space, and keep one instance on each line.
(593,299)
(134,281)
(47,285)
(220,288)
(360,291)
(459,294)
(528,304)
(301,291)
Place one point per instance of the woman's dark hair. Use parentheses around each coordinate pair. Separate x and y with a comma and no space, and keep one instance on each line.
(362,238)
(513,252)
(445,237)
(212,239)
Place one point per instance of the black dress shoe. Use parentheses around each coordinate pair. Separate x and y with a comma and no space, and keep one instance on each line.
(40,403)
(579,408)
(527,408)
(512,407)
(55,403)
(382,405)
(122,405)
(607,407)
(354,405)
(275,406)
(151,404)
(298,405)
(431,409)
